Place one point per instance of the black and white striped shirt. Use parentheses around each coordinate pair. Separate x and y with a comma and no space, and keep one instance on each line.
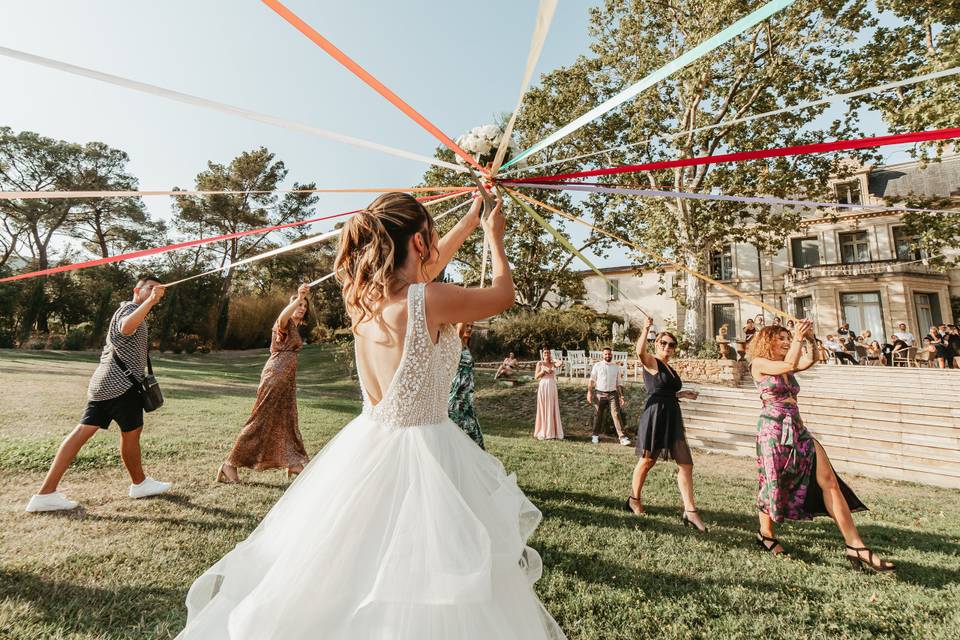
(108,380)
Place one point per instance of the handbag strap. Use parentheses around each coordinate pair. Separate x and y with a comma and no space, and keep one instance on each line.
(124,369)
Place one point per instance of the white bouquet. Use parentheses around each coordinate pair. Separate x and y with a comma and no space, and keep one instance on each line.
(482,143)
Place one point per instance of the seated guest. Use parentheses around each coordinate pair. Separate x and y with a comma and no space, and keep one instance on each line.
(953,344)
(844,330)
(937,346)
(822,355)
(777,321)
(875,353)
(838,350)
(507,367)
(899,346)
(749,330)
(902,334)
(760,322)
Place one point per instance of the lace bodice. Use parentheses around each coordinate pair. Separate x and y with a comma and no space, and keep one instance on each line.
(419,391)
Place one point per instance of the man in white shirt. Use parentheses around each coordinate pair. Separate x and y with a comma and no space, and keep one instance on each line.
(902,334)
(606,386)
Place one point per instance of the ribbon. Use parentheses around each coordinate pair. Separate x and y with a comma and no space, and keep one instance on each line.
(196,101)
(54,195)
(663,72)
(544,16)
(559,237)
(183,245)
(598,188)
(837,97)
(368,78)
(660,258)
(306,242)
(803,149)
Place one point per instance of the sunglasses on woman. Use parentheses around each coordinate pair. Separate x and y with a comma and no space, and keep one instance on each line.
(667,345)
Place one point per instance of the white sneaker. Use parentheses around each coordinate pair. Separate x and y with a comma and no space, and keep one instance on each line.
(625,441)
(595,439)
(149,487)
(55,501)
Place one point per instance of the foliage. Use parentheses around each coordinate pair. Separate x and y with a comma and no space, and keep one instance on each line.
(252,319)
(77,339)
(526,332)
(793,57)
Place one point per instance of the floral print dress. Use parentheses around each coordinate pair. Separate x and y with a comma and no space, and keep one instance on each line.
(460,407)
(787,457)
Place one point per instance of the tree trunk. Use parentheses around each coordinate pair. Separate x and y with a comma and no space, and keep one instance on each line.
(222,318)
(694,325)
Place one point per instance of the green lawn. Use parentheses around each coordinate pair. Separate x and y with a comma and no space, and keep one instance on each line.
(120,568)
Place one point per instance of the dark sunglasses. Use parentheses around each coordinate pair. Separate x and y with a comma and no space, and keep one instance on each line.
(667,345)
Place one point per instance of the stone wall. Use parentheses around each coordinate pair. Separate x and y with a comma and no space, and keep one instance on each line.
(728,373)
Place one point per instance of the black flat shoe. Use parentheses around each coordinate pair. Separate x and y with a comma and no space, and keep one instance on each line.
(687,522)
(859,563)
(769,544)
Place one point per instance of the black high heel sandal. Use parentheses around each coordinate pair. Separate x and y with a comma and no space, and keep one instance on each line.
(860,564)
(627,507)
(687,522)
(769,544)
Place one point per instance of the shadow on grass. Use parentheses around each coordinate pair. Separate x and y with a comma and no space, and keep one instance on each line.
(735,531)
(100,612)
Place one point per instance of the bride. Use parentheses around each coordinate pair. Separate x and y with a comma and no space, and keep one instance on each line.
(401,527)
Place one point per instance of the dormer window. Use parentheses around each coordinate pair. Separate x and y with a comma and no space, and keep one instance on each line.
(848,192)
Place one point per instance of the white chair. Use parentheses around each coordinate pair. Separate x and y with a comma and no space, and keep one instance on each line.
(905,358)
(575,363)
(596,356)
(620,358)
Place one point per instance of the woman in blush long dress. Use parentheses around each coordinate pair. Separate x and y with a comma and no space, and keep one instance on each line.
(548,425)
(271,438)
(400,528)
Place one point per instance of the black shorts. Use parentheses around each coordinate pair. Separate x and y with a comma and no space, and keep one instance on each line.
(126,409)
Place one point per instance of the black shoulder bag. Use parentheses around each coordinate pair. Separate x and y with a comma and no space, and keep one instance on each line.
(150,392)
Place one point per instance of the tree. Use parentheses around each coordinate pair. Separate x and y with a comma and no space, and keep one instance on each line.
(31,162)
(925,38)
(793,57)
(230,213)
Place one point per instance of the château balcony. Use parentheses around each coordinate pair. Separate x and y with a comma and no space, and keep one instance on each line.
(796,276)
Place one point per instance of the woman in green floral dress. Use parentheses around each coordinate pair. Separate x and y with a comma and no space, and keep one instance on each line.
(461,408)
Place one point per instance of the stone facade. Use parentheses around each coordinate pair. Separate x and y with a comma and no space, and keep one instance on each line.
(728,373)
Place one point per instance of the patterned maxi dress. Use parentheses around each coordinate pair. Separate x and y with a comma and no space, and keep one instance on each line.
(786,457)
(460,407)
(271,437)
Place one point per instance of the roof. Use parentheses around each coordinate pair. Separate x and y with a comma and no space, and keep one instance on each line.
(936,179)
(631,269)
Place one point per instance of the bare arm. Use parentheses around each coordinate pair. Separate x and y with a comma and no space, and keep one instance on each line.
(130,324)
(537,372)
(646,358)
(451,242)
(450,303)
(808,359)
(288,310)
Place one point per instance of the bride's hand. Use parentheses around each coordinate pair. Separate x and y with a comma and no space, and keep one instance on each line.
(476,209)
(495,223)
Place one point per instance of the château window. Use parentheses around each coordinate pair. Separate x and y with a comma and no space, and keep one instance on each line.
(613,290)
(848,192)
(721,264)
(806,252)
(854,247)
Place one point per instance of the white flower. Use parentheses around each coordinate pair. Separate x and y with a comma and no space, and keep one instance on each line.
(491,131)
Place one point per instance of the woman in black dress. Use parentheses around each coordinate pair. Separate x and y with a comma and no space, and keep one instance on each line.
(660,434)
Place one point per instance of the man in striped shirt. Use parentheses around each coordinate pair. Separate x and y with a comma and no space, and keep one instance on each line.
(112,396)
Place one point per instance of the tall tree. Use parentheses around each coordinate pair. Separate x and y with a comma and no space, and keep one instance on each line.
(795,56)
(920,36)
(31,162)
(249,172)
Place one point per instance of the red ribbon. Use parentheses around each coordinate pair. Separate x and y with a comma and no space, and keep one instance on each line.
(819,147)
(189,243)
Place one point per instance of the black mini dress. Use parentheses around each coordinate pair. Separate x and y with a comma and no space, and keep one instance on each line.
(661,434)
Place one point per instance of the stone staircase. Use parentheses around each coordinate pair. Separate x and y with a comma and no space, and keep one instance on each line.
(901,424)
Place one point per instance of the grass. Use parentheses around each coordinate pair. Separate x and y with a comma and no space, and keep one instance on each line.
(120,568)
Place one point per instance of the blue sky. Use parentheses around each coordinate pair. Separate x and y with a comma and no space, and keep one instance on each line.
(459,63)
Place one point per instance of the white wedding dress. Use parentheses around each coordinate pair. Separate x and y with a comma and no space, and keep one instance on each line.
(401,528)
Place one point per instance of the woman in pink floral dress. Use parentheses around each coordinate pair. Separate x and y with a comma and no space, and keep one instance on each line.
(797,481)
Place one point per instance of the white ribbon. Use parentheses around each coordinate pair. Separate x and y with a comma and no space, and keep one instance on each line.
(544,17)
(220,106)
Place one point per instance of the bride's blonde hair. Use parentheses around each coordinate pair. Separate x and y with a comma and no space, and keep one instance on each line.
(373,245)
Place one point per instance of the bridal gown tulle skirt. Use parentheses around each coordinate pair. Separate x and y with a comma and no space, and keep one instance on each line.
(389,533)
